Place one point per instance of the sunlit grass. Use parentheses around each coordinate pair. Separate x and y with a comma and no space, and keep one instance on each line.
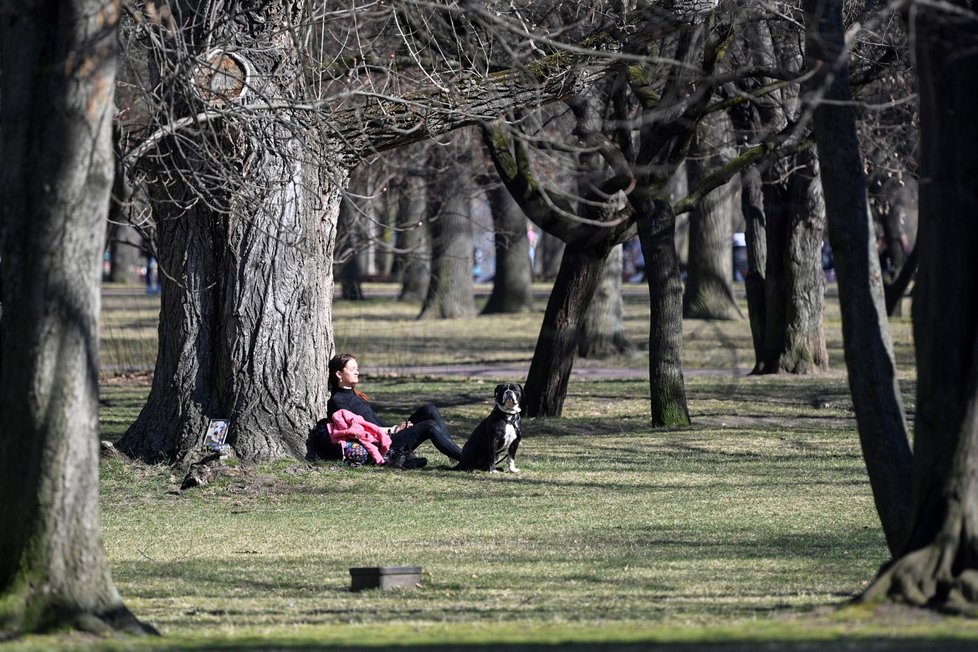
(752,527)
(388,335)
(755,524)
(689,526)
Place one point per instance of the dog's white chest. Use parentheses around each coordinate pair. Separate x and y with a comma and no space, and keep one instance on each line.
(509,436)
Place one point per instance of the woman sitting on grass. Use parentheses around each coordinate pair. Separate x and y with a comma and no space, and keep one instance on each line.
(426,422)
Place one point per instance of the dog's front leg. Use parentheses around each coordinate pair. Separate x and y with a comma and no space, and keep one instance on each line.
(511,457)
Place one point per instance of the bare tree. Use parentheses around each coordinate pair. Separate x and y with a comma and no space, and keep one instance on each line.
(623,192)
(937,565)
(58,67)
(868,348)
(588,237)
(641,121)
(784,209)
(258,122)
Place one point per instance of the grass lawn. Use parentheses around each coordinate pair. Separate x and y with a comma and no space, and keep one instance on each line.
(749,530)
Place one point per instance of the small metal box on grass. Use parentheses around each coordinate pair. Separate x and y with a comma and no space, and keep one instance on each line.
(385,577)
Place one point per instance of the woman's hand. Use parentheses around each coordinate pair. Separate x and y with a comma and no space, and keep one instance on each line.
(401,426)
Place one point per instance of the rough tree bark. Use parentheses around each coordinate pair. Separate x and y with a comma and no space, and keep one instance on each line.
(58,74)
(801,346)
(794,339)
(553,357)
(784,232)
(866,337)
(938,565)
(245,327)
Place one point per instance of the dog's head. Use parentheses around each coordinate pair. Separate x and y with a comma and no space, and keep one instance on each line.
(508,397)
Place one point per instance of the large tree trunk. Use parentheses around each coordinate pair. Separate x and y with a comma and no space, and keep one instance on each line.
(667,388)
(450,290)
(938,566)
(794,339)
(251,295)
(784,284)
(250,200)
(603,331)
(866,336)
(512,288)
(58,67)
(553,357)
(708,293)
(804,350)
(245,328)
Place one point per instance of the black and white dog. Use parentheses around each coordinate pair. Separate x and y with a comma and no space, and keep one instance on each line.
(498,435)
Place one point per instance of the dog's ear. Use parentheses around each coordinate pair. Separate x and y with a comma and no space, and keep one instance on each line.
(498,389)
(520,387)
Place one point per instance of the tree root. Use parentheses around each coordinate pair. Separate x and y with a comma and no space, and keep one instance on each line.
(117,621)
(923,578)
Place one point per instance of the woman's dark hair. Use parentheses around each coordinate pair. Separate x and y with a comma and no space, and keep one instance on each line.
(338,363)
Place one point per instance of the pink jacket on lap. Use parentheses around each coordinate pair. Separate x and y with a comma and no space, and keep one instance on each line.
(350,426)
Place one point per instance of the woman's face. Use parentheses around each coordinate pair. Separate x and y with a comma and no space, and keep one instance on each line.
(349,375)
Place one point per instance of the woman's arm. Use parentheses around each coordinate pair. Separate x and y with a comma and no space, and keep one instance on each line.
(346,399)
